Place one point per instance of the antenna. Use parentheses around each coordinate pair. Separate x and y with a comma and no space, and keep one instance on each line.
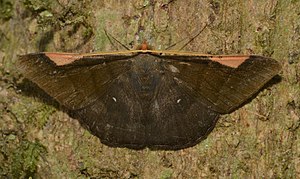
(109,38)
(195,36)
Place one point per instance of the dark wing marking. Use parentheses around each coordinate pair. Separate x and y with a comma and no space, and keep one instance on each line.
(222,88)
(146,107)
(76,84)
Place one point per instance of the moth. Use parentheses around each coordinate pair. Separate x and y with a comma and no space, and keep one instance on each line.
(147,98)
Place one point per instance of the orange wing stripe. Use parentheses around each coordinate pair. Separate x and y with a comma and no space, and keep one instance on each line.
(63,58)
(231,61)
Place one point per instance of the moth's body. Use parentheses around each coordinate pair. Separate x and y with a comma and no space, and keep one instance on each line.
(145,76)
(146,98)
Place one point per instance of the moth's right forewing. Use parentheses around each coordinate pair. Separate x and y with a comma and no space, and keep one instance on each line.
(222,83)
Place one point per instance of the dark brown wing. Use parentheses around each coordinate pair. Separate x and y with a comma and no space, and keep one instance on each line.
(75,81)
(146,107)
(163,102)
(222,86)
(124,100)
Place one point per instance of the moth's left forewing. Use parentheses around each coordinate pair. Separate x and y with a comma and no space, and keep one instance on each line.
(221,82)
(74,80)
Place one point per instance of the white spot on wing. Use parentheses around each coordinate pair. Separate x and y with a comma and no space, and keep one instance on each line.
(184,63)
(177,80)
(173,69)
(178,101)
(115,99)
(156,106)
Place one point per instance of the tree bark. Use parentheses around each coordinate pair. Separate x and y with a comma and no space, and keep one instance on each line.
(259,140)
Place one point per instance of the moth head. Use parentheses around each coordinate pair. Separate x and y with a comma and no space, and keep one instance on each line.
(144,46)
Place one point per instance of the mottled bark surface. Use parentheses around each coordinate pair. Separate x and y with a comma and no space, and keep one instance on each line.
(259,140)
